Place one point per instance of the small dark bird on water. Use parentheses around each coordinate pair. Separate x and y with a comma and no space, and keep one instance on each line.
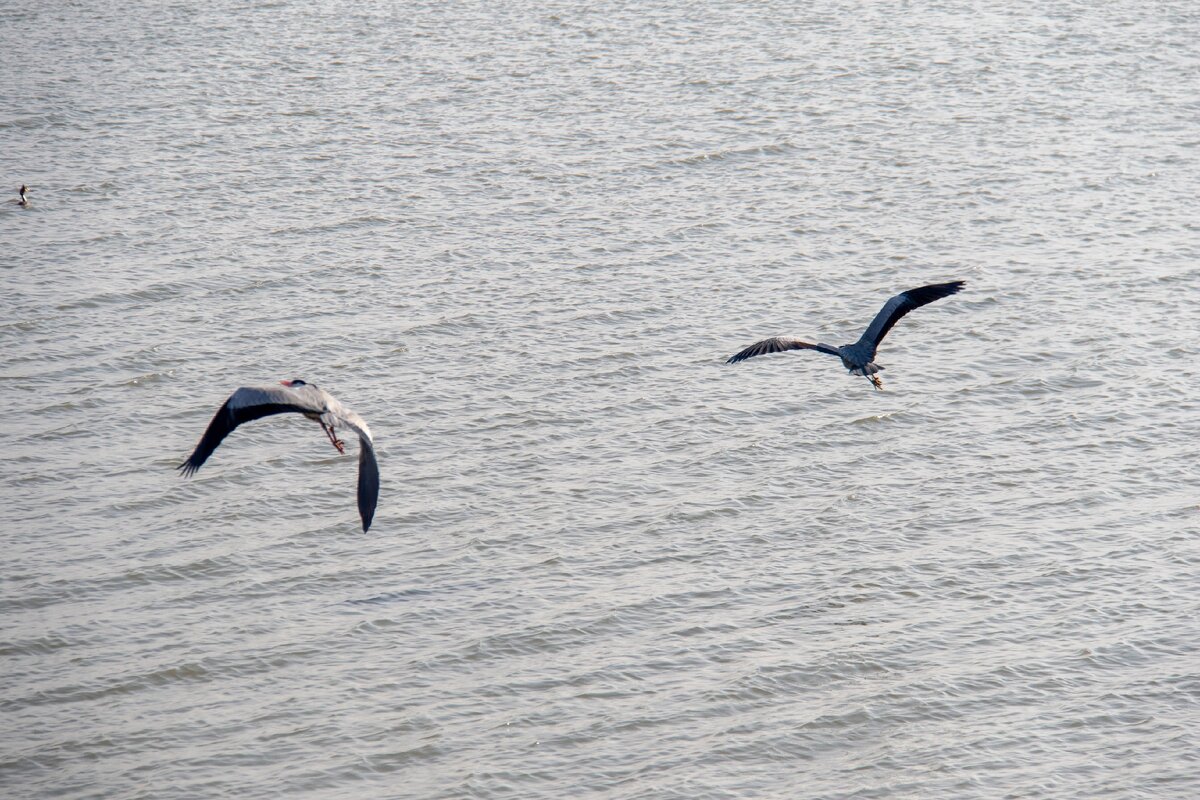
(859,357)
(254,402)
(24,201)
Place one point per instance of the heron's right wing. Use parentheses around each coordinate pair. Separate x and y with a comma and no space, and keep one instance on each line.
(896,307)
(777,345)
(245,405)
(368,465)
(368,481)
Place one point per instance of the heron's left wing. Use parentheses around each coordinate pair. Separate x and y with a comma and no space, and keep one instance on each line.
(901,304)
(245,405)
(777,345)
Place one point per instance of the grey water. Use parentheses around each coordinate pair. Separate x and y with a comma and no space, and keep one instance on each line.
(521,239)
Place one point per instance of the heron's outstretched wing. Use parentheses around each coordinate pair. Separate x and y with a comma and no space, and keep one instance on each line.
(901,304)
(368,466)
(777,345)
(245,405)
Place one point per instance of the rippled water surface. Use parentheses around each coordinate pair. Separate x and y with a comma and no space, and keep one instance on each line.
(520,240)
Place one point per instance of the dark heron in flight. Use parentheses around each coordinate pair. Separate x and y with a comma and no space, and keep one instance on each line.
(859,357)
(253,402)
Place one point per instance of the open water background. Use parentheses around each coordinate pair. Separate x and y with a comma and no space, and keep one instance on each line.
(521,239)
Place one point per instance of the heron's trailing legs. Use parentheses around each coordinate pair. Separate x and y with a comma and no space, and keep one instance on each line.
(873,377)
(336,442)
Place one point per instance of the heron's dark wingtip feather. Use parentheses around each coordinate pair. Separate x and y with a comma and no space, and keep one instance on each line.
(368,482)
(927,294)
(756,349)
(742,355)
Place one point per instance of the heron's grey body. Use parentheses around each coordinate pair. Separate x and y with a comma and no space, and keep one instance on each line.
(859,357)
(254,402)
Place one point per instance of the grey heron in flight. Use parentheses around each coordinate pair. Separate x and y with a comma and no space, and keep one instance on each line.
(859,357)
(253,402)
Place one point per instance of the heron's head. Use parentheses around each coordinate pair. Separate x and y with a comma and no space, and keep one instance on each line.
(295,383)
